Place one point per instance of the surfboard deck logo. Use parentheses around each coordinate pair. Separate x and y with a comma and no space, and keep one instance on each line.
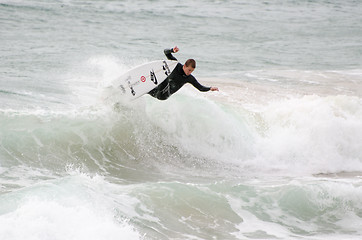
(153,77)
(166,68)
(130,85)
(143,78)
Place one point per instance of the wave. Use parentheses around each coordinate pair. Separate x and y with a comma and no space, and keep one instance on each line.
(266,123)
(82,207)
(309,134)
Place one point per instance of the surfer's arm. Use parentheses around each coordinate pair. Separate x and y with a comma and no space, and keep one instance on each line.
(168,52)
(198,85)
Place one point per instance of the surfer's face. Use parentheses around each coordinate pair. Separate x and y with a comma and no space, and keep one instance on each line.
(188,70)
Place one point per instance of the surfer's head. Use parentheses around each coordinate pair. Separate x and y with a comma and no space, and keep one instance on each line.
(189,66)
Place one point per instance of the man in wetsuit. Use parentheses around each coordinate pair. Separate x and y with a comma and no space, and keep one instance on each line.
(179,77)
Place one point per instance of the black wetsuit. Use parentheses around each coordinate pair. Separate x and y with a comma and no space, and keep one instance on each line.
(175,81)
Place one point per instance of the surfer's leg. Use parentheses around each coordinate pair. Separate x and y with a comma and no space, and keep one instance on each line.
(162,96)
(153,92)
(162,91)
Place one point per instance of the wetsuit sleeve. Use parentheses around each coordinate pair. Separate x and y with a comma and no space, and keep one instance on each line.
(197,85)
(168,52)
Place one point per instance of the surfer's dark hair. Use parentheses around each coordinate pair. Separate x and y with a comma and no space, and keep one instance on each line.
(190,63)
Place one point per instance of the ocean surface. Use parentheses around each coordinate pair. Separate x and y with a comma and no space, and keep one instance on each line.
(275,154)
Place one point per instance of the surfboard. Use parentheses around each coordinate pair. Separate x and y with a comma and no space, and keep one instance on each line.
(143,78)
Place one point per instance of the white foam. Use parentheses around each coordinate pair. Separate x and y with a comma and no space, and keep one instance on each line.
(68,208)
(312,134)
(42,219)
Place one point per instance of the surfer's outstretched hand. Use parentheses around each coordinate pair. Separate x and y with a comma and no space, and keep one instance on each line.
(214,89)
(175,49)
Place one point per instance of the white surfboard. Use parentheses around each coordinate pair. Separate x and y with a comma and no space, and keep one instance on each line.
(142,79)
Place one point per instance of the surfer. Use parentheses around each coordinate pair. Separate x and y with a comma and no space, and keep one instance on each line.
(179,77)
